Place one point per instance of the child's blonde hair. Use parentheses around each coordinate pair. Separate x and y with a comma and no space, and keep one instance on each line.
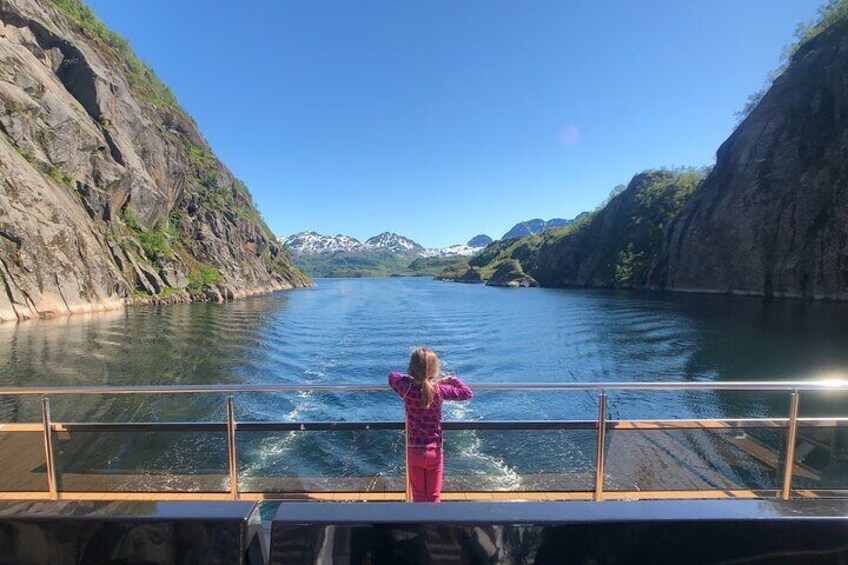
(423,368)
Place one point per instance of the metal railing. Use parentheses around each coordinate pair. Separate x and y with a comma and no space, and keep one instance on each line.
(601,425)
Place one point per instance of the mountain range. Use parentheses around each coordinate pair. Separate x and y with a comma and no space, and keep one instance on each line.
(389,253)
(313,243)
(384,254)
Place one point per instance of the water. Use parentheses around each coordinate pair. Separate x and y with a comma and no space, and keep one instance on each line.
(354,331)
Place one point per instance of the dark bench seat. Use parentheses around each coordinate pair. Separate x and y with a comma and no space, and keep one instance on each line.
(129,533)
(692,532)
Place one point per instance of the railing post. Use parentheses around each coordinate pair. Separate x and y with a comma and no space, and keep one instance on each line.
(791,437)
(231,448)
(602,432)
(407,489)
(48,449)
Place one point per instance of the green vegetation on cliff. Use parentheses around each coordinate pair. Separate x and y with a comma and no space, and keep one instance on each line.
(617,245)
(141,77)
(202,277)
(373,264)
(431,266)
(150,203)
(827,15)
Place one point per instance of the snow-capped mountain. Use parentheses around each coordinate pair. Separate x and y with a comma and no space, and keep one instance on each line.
(396,244)
(310,243)
(458,250)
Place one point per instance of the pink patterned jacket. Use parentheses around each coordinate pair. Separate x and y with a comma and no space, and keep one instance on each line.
(425,424)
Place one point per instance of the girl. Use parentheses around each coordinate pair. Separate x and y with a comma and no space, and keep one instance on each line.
(423,399)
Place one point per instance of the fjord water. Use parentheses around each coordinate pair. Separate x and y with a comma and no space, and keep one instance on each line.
(354,331)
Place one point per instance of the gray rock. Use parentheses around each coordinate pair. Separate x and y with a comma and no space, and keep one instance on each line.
(510,273)
(94,167)
(772,218)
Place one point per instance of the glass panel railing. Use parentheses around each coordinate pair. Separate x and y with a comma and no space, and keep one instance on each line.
(519,461)
(321,461)
(659,437)
(821,458)
(149,461)
(695,404)
(695,460)
(23,455)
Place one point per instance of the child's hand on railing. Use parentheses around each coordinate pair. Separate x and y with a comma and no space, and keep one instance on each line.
(449,380)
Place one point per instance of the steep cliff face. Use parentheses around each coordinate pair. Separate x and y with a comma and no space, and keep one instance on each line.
(107,188)
(772,218)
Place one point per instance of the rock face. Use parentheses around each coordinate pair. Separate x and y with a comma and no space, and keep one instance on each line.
(108,189)
(481,241)
(772,218)
(510,273)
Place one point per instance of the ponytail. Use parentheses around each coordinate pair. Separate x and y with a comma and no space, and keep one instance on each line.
(423,368)
(428,393)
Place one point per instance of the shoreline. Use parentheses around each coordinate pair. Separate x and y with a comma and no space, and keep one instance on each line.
(734,293)
(65,310)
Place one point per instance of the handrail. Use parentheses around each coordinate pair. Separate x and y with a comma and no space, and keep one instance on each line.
(447,425)
(603,423)
(753,386)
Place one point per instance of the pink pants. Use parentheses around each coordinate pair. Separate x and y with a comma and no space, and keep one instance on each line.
(426,466)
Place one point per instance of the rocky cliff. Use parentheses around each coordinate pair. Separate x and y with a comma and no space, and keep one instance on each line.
(772,218)
(107,188)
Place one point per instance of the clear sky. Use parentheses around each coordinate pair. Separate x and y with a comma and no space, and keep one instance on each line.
(441,119)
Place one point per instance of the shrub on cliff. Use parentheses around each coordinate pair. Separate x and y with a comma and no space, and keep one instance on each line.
(201,277)
(828,14)
(141,77)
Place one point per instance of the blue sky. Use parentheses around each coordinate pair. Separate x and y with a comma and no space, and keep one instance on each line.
(441,119)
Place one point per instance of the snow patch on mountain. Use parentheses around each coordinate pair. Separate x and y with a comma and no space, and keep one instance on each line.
(394,243)
(313,243)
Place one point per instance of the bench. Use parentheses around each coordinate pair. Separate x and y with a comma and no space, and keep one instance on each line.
(129,532)
(610,532)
